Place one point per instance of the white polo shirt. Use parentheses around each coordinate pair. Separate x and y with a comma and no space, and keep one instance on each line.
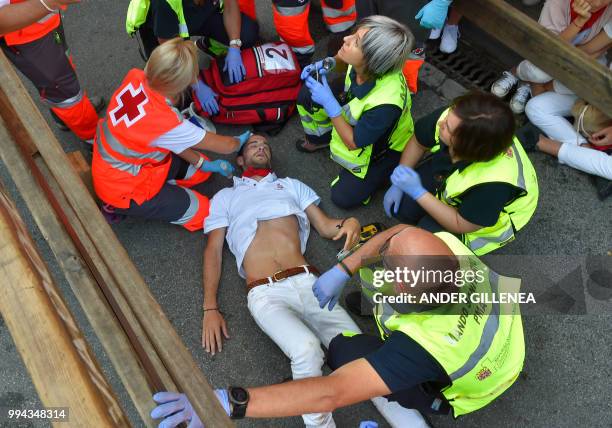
(241,207)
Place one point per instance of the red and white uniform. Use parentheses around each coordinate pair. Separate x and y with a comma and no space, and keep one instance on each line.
(130,162)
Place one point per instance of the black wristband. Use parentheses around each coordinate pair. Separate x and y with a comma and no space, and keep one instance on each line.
(345,267)
(339,226)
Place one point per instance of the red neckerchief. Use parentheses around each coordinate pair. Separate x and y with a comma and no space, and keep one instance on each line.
(251,172)
(594,17)
(605,148)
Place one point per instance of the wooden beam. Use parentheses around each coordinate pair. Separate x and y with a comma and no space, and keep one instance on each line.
(15,104)
(61,364)
(589,79)
(82,168)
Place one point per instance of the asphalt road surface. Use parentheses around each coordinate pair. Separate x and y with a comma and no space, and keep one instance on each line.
(567,368)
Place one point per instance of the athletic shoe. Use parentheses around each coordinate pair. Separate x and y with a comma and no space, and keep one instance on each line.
(98,104)
(502,86)
(520,98)
(530,2)
(111,216)
(435,34)
(450,35)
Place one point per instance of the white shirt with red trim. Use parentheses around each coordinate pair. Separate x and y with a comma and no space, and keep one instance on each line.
(241,207)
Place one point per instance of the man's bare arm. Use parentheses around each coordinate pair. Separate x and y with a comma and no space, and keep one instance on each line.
(213,324)
(334,228)
(318,394)
(14,17)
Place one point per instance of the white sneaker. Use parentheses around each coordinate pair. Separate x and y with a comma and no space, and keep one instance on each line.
(502,86)
(450,35)
(530,2)
(520,98)
(435,34)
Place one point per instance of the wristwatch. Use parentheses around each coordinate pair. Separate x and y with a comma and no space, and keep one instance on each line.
(239,400)
(236,42)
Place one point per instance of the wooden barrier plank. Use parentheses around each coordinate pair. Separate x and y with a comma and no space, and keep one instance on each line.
(589,79)
(85,289)
(168,345)
(61,365)
(82,168)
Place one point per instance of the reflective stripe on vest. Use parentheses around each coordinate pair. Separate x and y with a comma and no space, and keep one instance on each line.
(138,158)
(388,89)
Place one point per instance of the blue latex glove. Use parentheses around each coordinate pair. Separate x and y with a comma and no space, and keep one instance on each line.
(433,14)
(408,180)
(234,66)
(322,95)
(243,138)
(206,97)
(219,166)
(312,67)
(392,200)
(368,424)
(175,408)
(328,287)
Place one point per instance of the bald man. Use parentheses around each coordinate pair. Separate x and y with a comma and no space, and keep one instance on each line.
(436,359)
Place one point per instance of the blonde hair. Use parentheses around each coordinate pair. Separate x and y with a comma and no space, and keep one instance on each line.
(589,119)
(172,67)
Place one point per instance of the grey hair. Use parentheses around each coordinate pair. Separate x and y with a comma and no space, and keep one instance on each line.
(386,45)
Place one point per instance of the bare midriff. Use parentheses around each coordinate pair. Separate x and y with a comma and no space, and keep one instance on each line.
(275,247)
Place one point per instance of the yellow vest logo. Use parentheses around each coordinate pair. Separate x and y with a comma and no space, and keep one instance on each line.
(484,373)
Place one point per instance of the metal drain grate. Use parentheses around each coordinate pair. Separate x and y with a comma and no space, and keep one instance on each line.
(467,66)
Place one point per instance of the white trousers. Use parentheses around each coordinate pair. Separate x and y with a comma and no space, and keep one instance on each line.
(586,160)
(289,313)
(547,111)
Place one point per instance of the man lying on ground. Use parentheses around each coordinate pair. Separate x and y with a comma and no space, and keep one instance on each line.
(266,221)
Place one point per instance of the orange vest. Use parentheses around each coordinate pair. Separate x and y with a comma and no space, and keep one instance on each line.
(34,31)
(124,166)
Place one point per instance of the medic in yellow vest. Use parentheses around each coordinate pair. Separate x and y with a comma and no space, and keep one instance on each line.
(369,123)
(477,183)
(448,359)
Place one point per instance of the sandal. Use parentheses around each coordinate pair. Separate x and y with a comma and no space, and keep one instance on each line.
(305,147)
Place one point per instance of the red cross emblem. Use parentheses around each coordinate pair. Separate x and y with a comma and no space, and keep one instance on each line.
(130,106)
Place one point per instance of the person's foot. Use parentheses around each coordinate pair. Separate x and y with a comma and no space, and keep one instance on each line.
(98,104)
(305,147)
(111,216)
(352,301)
(435,34)
(502,86)
(520,98)
(530,2)
(450,35)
